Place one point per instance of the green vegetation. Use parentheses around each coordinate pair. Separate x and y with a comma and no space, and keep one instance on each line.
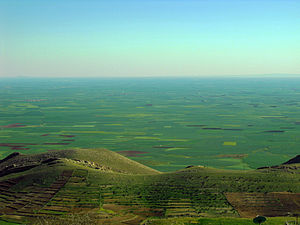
(70,182)
(164,124)
(230,127)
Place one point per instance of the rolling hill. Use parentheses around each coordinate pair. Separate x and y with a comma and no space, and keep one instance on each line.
(97,186)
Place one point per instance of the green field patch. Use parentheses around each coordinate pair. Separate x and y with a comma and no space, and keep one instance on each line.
(56,107)
(138,115)
(178,156)
(229,143)
(147,138)
(288,128)
(153,162)
(226,115)
(235,156)
(196,125)
(179,140)
(132,133)
(263,149)
(233,129)
(33,126)
(102,110)
(113,124)
(232,125)
(174,149)
(90,132)
(162,146)
(83,126)
(239,166)
(264,157)
(25,105)
(56,126)
(181,122)
(212,128)
(104,132)
(232,163)
(194,106)
(272,117)
(161,106)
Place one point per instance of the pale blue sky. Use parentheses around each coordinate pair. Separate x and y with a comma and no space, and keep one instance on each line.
(148,37)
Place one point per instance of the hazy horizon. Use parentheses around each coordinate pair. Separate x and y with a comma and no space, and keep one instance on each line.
(155,38)
(275,75)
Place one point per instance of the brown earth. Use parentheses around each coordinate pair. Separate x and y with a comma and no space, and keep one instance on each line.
(265,204)
(13,125)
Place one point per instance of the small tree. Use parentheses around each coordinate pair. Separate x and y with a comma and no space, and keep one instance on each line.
(259,219)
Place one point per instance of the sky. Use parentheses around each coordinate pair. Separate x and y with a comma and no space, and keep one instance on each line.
(142,38)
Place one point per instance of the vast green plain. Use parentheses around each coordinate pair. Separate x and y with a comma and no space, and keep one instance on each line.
(166,124)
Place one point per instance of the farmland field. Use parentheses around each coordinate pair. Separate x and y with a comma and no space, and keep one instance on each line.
(166,124)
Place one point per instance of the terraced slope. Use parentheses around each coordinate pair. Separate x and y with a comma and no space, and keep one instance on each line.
(113,189)
(32,201)
(267,204)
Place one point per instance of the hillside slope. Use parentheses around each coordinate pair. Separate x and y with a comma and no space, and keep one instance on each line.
(96,158)
(112,188)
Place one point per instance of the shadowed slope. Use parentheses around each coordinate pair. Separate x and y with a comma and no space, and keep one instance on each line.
(293,160)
